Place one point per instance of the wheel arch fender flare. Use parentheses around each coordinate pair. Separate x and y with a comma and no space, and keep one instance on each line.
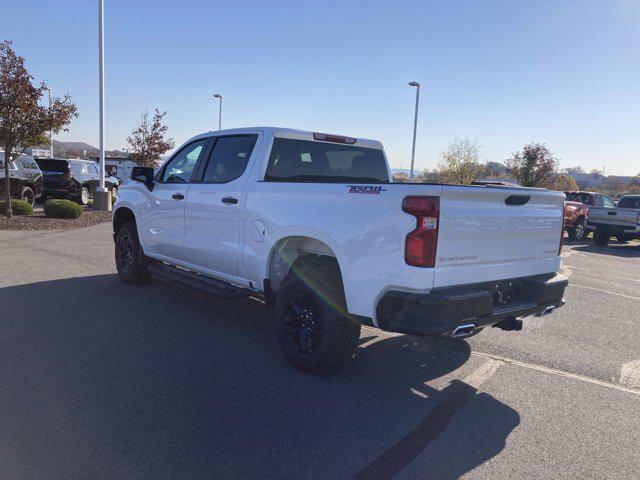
(287,248)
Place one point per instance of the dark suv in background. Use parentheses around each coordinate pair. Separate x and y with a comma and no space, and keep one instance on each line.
(74,179)
(25,179)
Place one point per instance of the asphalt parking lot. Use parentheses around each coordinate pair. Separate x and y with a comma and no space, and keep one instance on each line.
(103,380)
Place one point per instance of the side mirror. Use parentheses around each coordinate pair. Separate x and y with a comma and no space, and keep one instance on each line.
(144,175)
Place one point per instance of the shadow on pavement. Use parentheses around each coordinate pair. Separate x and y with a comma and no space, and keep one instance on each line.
(618,249)
(103,380)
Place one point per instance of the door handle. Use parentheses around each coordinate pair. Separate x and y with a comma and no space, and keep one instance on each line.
(177,196)
(229,200)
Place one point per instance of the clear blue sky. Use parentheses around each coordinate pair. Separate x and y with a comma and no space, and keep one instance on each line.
(508,72)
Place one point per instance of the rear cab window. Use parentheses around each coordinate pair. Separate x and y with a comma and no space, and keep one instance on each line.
(629,202)
(293,160)
(583,198)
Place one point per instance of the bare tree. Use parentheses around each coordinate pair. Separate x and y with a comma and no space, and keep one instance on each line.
(147,141)
(533,166)
(577,169)
(460,162)
(431,176)
(23,122)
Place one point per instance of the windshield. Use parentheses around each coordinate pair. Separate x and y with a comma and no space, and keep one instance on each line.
(308,161)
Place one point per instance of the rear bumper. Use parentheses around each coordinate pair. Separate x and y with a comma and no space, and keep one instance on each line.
(441,311)
(613,229)
(59,192)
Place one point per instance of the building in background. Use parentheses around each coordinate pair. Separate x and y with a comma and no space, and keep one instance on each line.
(586,181)
(119,167)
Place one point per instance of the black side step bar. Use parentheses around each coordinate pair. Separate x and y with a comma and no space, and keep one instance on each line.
(206,284)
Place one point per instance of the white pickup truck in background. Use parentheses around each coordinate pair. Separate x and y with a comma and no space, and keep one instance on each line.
(311,222)
(622,222)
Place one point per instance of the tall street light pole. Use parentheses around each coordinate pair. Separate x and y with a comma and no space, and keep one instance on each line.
(102,197)
(219,97)
(48,89)
(415,127)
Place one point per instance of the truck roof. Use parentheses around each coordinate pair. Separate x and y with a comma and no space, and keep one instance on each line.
(282,132)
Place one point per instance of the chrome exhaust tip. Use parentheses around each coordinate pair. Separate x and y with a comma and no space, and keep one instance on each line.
(464,330)
(547,311)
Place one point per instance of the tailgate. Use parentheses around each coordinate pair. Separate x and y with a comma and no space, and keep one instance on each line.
(52,179)
(614,216)
(495,233)
(53,172)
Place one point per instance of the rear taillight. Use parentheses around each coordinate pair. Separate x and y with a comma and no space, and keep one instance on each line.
(564,214)
(420,244)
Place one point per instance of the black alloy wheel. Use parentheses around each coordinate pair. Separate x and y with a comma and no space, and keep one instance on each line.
(124,253)
(302,322)
(131,263)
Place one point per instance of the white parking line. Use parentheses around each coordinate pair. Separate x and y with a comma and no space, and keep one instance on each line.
(559,373)
(605,291)
(483,373)
(630,374)
(628,279)
(575,268)
(603,257)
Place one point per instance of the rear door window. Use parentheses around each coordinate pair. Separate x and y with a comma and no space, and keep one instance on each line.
(322,162)
(228,159)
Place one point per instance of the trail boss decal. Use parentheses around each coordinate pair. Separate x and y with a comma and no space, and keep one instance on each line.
(368,189)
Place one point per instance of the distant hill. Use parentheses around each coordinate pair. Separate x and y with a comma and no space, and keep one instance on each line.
(81,149)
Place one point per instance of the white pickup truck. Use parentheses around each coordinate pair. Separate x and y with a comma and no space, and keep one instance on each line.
(312,223)
(622,222)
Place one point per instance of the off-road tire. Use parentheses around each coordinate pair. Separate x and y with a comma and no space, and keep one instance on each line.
(340,332)
(601,238)
(131,270)
(578,232)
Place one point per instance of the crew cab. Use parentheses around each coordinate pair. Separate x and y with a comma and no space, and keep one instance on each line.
(577,210)
(25,179)
(622,222)
(311,222)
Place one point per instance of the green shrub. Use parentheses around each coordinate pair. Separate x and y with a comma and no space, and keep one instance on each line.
(18,207)
(62,209)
